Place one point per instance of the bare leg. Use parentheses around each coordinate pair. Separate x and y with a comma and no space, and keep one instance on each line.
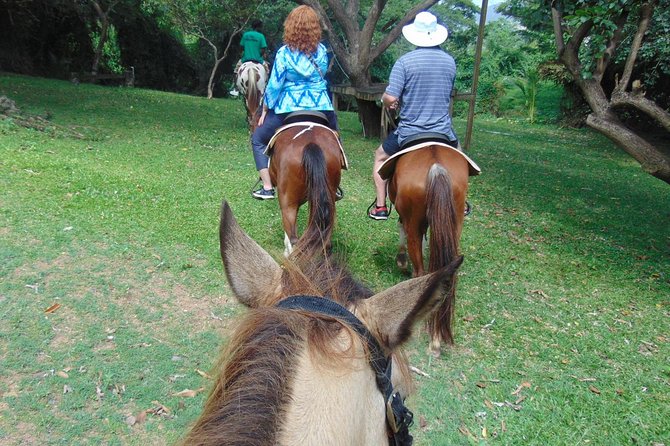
(380,184)
(265,178)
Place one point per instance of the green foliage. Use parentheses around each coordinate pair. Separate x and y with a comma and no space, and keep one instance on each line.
(562,306)
(111,53)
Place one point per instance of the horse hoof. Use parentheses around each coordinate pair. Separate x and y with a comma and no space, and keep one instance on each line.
(434,349)
(401,261)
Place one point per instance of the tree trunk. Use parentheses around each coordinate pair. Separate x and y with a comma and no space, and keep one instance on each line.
(370,115)
(210,84)
(652,160)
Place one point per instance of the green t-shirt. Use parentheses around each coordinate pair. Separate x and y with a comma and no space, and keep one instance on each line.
(253,42)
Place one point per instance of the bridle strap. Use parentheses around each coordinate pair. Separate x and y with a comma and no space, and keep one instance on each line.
(398,417)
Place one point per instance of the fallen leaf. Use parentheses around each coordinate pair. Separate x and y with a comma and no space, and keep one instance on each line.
(513,406)
(523,385)
(469,318)
(141,417)
(619,392)
(594,389)
(52,308)
(539,292)
(584,379)
(488,404)
(419,371)
(520,399)
(503,427)
(203,374)
(99,392)
(485,433)
(131,420)
(188,393)
(422,422)
(480,384)
(159,410)
(62,374)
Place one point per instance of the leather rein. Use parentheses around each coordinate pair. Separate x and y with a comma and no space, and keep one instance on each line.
(398,417)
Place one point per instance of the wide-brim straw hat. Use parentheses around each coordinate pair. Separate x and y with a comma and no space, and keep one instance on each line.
(425,31)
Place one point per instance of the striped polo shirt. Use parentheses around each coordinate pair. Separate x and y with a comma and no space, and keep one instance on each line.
(423,80)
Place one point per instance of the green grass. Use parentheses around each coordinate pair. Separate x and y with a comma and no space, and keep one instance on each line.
(113,213)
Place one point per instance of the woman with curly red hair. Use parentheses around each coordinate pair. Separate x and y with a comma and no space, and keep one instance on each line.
(296,83)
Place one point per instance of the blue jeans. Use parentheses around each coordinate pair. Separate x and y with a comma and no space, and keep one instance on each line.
(263,134)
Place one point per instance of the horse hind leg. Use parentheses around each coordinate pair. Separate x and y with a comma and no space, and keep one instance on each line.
(401,258)
(288,246)
(289,215)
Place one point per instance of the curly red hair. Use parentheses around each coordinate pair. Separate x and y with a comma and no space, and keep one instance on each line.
(302,30)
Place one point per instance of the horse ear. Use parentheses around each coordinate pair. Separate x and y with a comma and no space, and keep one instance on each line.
(253,275)
(391,314)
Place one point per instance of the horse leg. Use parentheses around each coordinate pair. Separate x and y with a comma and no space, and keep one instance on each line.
(414,246)
(289,215)
(401,258)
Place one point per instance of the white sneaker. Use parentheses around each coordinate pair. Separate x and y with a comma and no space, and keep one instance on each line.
(234,93)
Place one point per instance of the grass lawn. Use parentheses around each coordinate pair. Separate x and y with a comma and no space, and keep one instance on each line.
(113,299)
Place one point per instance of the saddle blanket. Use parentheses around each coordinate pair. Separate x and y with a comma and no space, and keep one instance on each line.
(308,126)
(386,169)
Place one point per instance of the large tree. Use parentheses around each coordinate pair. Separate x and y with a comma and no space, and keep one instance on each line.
(351,31)
(590,35)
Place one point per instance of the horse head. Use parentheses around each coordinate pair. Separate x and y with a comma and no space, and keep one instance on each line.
(311,368)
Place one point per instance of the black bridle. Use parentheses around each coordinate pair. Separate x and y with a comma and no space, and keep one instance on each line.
(398,417)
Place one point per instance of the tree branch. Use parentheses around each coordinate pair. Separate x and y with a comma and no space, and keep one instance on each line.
(612,44)
(652,161)
(646,11)
(557,19)
(638,101)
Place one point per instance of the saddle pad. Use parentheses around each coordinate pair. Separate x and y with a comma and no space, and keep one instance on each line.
(308,126)
(386,169)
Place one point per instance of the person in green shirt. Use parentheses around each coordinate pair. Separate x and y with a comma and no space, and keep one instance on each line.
(253,50)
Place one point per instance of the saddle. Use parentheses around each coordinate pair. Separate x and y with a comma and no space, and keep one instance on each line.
(307,119)
(419,141)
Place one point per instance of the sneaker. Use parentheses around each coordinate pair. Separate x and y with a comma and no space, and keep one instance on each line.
(378,213)
(234,93)
(263,194)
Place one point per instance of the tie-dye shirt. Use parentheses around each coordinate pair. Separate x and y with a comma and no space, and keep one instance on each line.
(295,83)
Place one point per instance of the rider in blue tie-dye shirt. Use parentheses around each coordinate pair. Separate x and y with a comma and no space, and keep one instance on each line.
(296,83)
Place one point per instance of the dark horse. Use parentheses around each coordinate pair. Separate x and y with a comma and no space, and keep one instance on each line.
(306,166)
(316,360)
(428,184)
(251,82)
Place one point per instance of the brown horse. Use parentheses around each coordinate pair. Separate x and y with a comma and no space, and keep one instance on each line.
(308,362)
(306,166)
(428,185)
(251,82)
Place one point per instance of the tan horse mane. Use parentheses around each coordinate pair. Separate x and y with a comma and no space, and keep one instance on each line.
(255,369)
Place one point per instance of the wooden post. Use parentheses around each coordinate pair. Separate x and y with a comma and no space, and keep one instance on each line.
(475,76)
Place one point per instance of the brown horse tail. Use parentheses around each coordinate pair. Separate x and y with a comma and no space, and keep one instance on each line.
(320,199)
(441,215)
